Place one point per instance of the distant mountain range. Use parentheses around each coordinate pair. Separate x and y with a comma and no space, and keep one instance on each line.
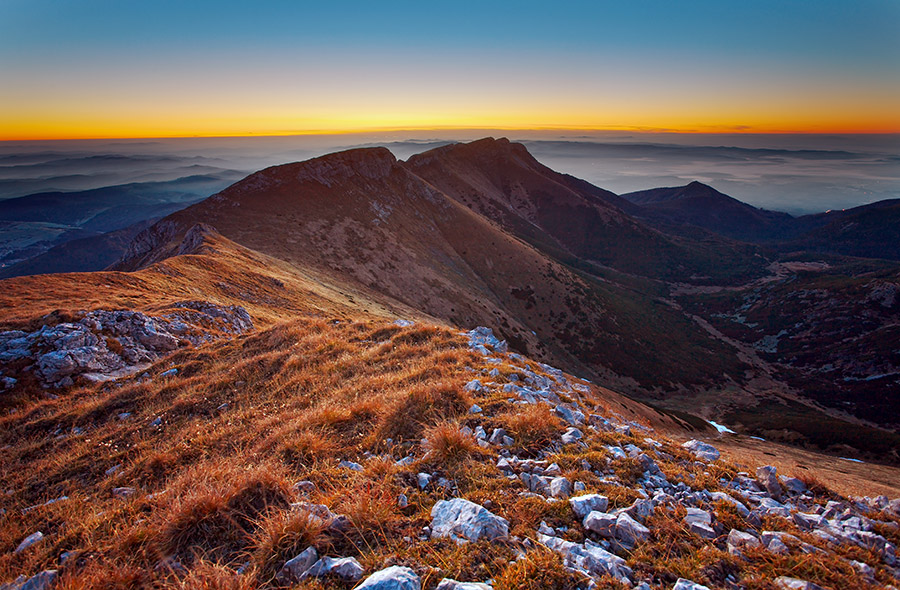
(869,231)
(76,221)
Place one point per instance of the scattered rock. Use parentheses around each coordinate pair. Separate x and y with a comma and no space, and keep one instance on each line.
(392,578)
(700,523)
(474,386)
(793,485)
(448,584)
(582,505)
(738,540)
(297,566)
(66,351)
(42,581)
(768,478)
(571,435)
(123,493)
(352,466)
(304,487)
(461,520)
(630,531)
(560,487)
(787,583)
(702,450)
(683,584)
(321,512)
(345,568)
(588,558)
(602,523)
(29,541)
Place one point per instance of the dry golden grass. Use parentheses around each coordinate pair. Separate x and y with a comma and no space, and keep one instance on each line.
(541,570)
(300,397)
(531,426)
(244,419)
(448,444)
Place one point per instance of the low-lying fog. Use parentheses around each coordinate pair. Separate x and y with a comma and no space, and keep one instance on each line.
(793,173)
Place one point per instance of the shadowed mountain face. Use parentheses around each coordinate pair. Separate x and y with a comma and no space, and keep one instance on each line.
(364,216)
(703,206)
(557,212)
(868,231)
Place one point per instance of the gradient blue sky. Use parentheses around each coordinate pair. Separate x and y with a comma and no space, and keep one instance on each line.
(117,68)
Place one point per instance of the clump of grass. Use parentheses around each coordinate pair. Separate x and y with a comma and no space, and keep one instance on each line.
(540,570)
(215,518)
(448,444)
(532,426)
(306,447)
(282,535)
(628,470)
(94,575)
(423,405)
(208,576)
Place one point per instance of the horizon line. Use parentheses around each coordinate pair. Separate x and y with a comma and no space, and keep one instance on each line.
(338,132)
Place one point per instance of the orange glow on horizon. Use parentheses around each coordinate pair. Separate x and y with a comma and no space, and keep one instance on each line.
(101,132)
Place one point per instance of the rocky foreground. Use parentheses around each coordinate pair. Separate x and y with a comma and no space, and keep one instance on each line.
(103,345)
(616,505)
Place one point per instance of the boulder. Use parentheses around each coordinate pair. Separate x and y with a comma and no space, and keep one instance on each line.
(294,568)
(582,505)
(630,531)
(463,520)
(683,584)
(702,450)
(392,578)
(767,477)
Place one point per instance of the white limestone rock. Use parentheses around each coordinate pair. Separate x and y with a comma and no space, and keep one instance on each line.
(583,505)
(463,520)
(702,450)
(392,578)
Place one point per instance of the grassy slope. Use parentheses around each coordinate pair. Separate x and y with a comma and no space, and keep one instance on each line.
(214,482)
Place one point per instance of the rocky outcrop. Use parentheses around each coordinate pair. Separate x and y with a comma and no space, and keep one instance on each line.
(105,344)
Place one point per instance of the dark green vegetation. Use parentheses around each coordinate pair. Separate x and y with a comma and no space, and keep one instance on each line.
(833,334)
(798,424)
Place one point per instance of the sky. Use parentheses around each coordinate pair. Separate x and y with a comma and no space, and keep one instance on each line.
(116,69)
